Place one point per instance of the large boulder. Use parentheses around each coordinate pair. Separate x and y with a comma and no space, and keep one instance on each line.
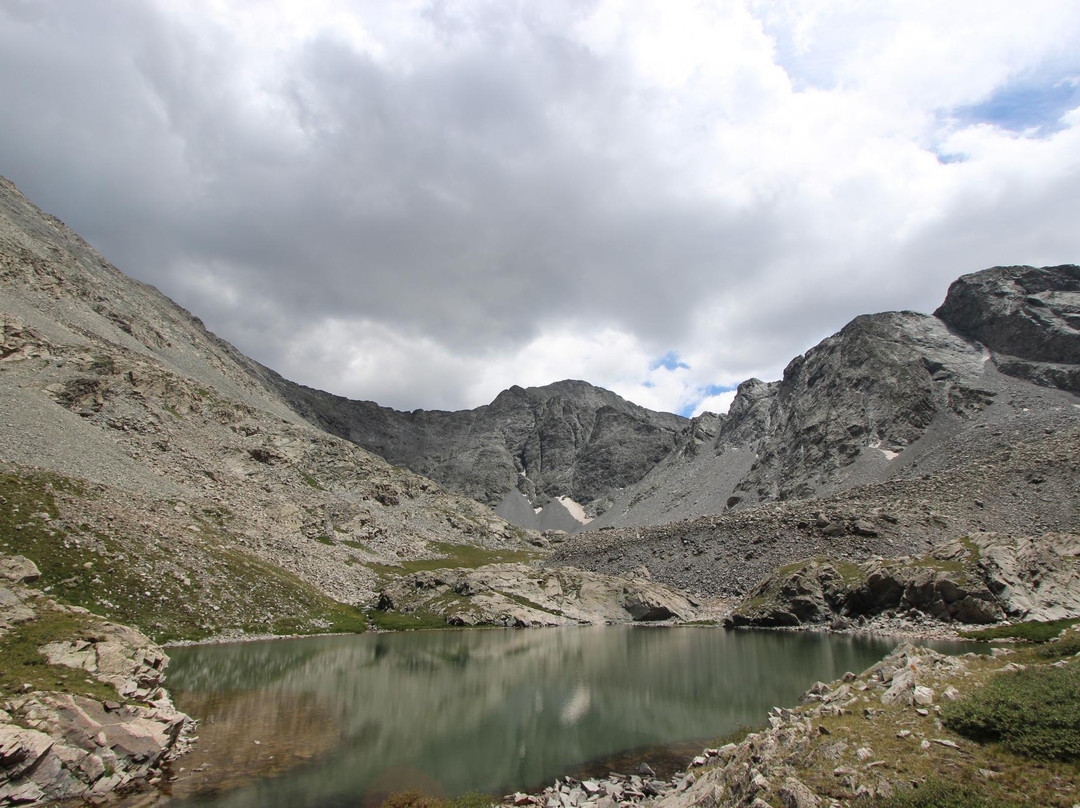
(522,595)
(1028,316)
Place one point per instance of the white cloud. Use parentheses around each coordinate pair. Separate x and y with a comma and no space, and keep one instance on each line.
(423,204)
(718,403)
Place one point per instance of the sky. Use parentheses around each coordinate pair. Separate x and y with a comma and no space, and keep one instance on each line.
(423,203)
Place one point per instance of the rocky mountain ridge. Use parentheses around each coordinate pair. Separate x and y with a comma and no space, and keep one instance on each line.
(886,397)
(889,397)
(565,447)
(1018,482)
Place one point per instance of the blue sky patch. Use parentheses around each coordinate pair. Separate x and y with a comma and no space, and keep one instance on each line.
(669,361)
(1030,104)
(951,157)
(717,389)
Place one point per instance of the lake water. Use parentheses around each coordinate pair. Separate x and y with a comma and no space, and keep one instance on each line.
(342,721)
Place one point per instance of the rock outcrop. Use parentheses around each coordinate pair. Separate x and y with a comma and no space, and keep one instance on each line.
(523,595)
(60,744)
(850,742)
(983,578)
(1029,317)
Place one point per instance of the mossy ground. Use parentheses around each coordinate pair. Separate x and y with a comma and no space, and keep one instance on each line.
(1038,631)
(455,556)
(24,664)
(173,588)
(417,799)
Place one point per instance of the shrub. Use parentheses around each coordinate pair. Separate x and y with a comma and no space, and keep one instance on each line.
(418,799)
(1069,646)
(1033,712)
(1031,630)
(412,799)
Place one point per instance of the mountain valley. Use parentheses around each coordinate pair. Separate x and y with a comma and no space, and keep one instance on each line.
(911,467)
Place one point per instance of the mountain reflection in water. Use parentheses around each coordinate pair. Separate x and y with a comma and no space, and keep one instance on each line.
(335,721)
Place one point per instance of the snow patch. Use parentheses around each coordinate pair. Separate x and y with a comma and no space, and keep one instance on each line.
(889,453)
(576,511)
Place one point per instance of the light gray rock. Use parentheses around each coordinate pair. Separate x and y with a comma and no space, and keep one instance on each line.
(523,595)
(18,569)
(796,794)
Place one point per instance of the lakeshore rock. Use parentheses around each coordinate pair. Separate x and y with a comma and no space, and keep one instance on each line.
(62,745)
(983,578)
(794,763)
(524,595)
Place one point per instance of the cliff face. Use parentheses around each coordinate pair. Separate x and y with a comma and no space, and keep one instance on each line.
(1029,317)
(568,440)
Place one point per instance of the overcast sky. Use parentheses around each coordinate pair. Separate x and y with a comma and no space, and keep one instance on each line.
(422,203)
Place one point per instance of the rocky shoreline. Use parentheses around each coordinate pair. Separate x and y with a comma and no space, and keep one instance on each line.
(102,723)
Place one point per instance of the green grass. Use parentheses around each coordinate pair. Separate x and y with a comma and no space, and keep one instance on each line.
(357,545)
(310,481)
(1065,647)
(940,794)
(1034,712)
(125,574)
(736,735)
(1030,630)
(23,663)
(405,621)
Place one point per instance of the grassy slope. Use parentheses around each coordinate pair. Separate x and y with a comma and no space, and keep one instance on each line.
(130,576)
(979,771)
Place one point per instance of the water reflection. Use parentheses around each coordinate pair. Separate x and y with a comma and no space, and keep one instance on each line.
(338,718)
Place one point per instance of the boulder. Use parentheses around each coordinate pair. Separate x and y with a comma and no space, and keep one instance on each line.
(522,595)
(18,569)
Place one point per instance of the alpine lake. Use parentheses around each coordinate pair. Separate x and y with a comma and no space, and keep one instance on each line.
(338,721)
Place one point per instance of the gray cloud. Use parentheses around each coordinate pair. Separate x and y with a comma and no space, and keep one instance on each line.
(452,188)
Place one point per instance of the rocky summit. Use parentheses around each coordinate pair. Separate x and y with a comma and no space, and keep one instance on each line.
(889,397)
(549,457)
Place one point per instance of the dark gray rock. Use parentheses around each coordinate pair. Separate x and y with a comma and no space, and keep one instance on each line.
(983,579)
(567,439)
(1028,316)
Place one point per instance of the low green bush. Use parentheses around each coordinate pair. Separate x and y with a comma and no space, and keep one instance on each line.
(1030,630)
(405,621)
(1033,712)
(1070,646)
(418,799)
